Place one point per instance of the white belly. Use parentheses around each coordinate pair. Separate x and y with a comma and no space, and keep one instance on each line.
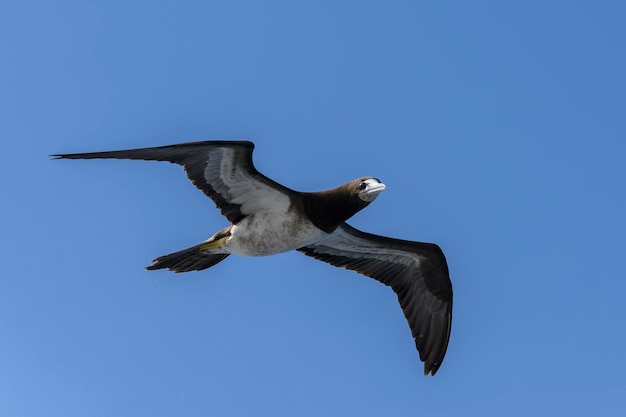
(265,233)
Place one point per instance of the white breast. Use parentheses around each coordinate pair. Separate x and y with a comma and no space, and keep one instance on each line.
(266,233)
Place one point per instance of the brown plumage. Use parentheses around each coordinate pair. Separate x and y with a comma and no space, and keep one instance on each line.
(267,218)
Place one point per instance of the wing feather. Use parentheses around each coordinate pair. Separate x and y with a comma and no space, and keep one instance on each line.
(417,273)
(223,170)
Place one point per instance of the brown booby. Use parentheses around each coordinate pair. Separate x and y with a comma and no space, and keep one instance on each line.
(268,218)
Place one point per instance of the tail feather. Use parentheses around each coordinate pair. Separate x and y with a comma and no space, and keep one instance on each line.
(190,259)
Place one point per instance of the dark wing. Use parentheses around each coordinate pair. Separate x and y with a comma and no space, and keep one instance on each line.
(223,170)
(417,272)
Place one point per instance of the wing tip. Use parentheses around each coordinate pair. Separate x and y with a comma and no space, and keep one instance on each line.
(431,368)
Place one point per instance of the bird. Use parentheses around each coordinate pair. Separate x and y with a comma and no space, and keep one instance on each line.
(267,218)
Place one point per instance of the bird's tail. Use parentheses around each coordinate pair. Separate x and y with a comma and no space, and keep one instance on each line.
(190,259)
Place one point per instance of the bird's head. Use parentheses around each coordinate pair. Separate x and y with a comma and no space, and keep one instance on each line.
(368,188)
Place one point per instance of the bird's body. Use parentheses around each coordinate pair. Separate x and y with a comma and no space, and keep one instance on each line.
(268,218)
(269,233)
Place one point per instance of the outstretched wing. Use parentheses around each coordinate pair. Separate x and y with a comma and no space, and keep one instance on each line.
(223,170)
(417,273)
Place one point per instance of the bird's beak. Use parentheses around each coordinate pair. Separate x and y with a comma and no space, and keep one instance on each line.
(372,192)
(377,188)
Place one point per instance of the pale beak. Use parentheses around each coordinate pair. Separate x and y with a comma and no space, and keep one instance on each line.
(372,192)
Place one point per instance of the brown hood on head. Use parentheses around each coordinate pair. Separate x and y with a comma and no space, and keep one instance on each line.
(328,209)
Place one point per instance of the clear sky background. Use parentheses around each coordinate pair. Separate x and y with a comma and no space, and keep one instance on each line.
(498,127)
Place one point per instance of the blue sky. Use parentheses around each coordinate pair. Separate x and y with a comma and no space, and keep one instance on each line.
(498,129)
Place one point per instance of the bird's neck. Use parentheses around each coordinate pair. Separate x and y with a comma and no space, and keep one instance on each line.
(329,209)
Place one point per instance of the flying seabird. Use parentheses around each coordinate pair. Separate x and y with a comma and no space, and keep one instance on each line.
(268,218)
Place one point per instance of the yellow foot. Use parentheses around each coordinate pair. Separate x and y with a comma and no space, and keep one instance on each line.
(214,244)
(217,240)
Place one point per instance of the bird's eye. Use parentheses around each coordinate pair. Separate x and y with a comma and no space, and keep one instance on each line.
(362,186)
